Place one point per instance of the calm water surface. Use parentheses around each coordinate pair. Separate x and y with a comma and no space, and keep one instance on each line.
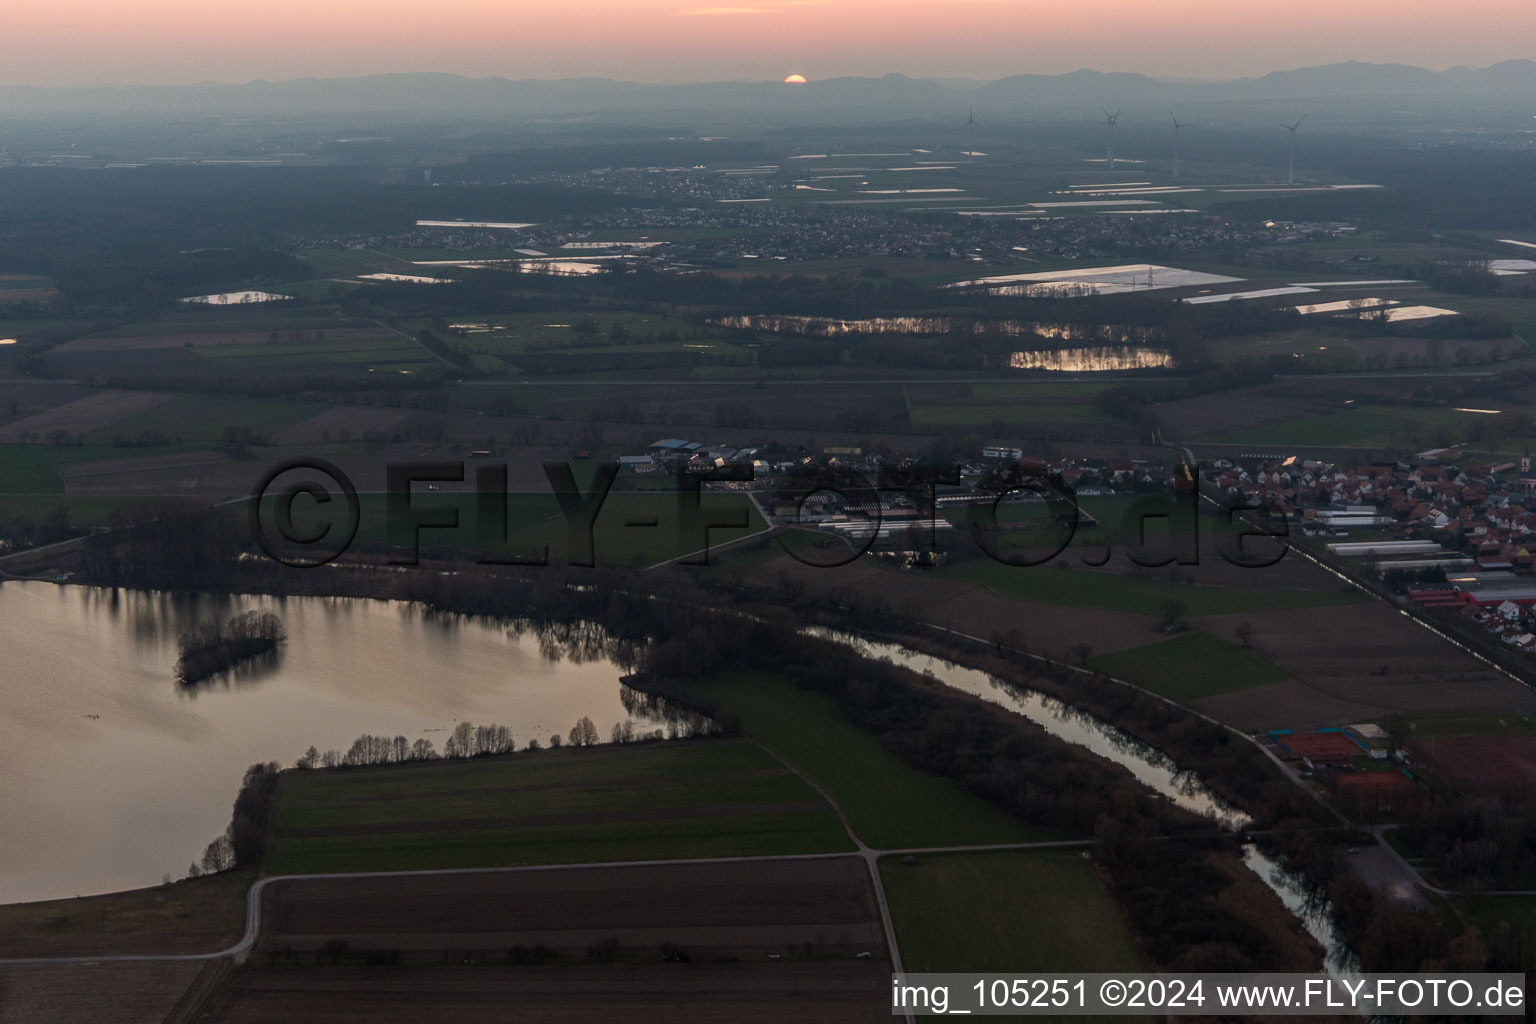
(112,775)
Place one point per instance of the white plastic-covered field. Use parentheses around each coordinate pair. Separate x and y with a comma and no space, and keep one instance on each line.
(1418,313)
(1259,293)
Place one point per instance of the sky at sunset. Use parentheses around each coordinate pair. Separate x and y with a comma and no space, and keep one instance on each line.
(73,42)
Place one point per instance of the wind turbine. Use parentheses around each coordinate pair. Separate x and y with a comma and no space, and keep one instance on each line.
(1109,120)
(970,124)
(1176,127)
(1290,175)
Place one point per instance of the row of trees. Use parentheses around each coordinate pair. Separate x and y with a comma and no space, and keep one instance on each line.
(467,740)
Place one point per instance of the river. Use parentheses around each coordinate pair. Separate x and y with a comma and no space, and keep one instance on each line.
(112,775)
(1149,766)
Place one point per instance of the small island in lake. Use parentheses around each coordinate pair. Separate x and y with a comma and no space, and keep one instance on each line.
(213,647)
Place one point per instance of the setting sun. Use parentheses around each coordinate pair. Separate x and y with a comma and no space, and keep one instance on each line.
(795,80)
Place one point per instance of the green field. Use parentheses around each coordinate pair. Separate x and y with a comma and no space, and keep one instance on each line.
(1026,910)
(1469,725)
(1080,588)
(1500,915)
(1191,667)
(34,468)
(1366,425)
(889,804)
(1018,414)
(704,798)
(84,509)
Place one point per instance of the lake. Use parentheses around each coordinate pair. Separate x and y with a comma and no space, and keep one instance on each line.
(112,775)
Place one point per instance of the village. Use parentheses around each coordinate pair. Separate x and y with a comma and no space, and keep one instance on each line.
(1444,531)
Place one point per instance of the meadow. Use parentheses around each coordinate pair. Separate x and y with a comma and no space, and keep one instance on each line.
(705,798)
(1016,910)
(889,804)
(1190,667)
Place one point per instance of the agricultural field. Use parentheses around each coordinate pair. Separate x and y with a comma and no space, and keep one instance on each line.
(37,469)
(1468,725)
(186,418)
(80,417)
(108,993)
(809,992)
(1487,763)
(16,288)
(700,799)
(1145,595)
(1015,910)
(241,342)
(1027,407)
(821,908)
(1356,662)
(1362,426)
(195,915)
(1190,667)
(601,330)
(889,804)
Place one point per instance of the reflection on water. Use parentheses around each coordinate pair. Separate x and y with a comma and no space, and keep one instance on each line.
(559,268)
(1310,907)
(236,298)
(1151,767)
(829,327)
(1092,360)
(112,775)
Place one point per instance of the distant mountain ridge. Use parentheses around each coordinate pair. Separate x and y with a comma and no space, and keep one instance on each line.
(446,94)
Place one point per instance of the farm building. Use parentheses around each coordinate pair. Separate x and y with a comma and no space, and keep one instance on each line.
(1381,548)
(638,463)
(1523,595)
(673,448)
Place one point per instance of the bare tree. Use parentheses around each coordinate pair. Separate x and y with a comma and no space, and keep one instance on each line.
(462,742)
(219,855)
(583,733)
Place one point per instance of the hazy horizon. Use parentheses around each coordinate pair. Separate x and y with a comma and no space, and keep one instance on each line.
(179,42)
